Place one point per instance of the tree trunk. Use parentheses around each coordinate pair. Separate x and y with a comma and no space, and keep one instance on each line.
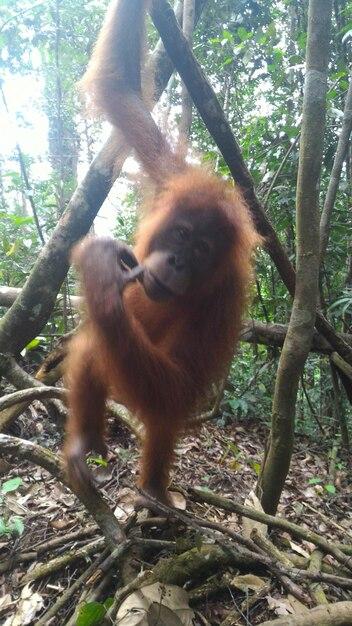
(300,330)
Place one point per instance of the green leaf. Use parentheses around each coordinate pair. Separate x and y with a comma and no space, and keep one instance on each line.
(11,485)
(3,527)
(330,488)
(90,614)
(347,36)
(345,300)
(33,344)
(16,526)
(12,249)
(19,220)
(243,34)
(226,34)
(239,403)
(97,460)
(108,603)
(256,467)
(338,74)
(314,481)
(271,30)
(302,40)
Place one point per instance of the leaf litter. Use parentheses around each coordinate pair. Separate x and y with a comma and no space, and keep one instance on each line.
(222,459)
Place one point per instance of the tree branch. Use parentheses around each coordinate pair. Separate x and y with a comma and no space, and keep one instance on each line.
(10,369)
(340,551)
(254,331)
(279,170)
(28,395)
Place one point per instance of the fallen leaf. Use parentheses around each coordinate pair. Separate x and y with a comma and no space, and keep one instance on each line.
(5,601)
(248,581)
(310,493)
(61,524)
(27,607)
(157,604)
(179,501)
(125,505)
(187,447)
(280,606)
(13,503)
(235,465)
(297,548)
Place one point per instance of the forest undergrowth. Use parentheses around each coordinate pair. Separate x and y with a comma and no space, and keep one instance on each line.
(59,533)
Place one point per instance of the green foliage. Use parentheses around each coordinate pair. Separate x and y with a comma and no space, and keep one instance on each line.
(97,460)
(329,488)
(10,485)
(18,247)
(9,524)
(92,613)
(12,526)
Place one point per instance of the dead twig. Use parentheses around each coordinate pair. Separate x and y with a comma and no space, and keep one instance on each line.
(20,379)
(143,579)
(328,520)
(342,553)
(316,589)
(28,395)
(268,547)
(46,547)
(59,562)
(248,603)
(68,593)
(276,568)
(339,614)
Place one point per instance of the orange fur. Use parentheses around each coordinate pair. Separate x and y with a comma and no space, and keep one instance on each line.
(159,359)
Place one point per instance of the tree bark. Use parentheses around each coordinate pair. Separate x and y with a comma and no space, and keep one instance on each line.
(301,326)
(274,335)
(339,614)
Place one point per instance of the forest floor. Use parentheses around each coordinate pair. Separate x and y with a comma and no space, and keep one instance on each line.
(225,460)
